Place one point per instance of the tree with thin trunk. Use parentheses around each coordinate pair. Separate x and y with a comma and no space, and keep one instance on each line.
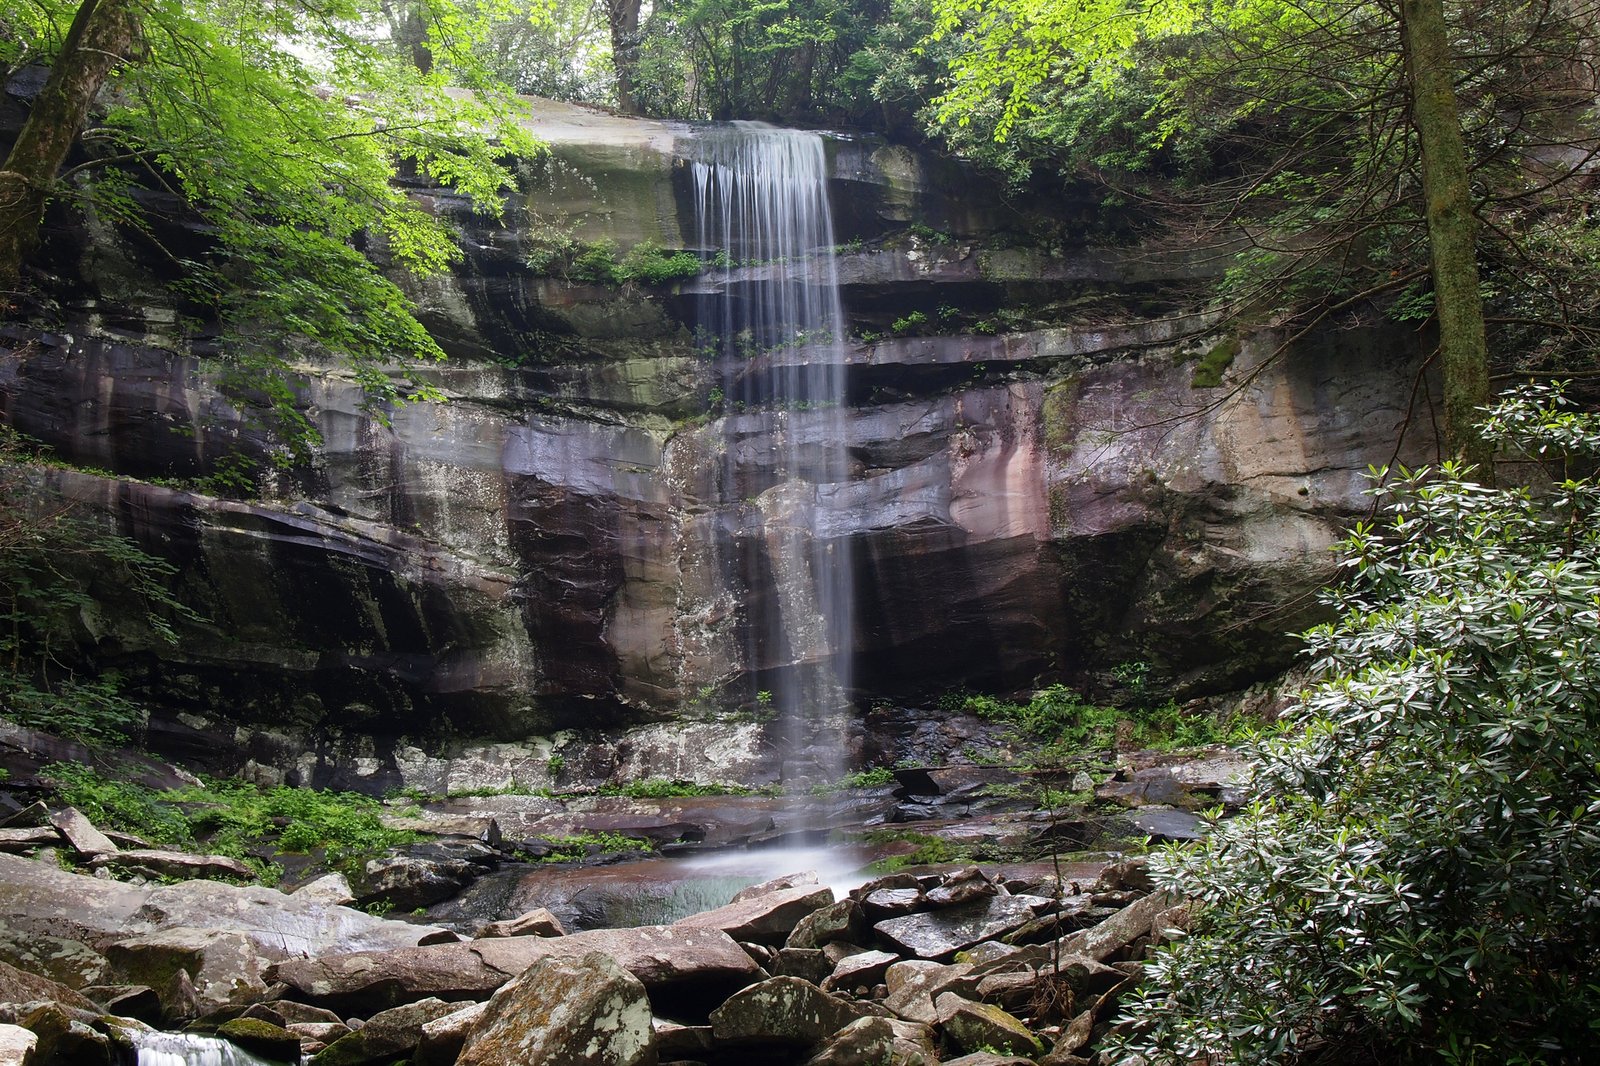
(100,37)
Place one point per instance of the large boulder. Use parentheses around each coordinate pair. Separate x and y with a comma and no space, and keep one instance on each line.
(782,1010)
(388,1035)
(575,1011)
(663,957)
(18,986)
(767,918)
(940,934)
(16,1045)
(223,969)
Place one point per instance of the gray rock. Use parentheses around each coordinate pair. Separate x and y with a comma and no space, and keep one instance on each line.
(224,969)
(766,919)
(411,881)
(1100,942)
(913,984)
(17,1045)
(808,964)
(154,862)
(973,1026)
(940,934)
(19,986)
(864,1042)
(660,956)
(388,1034)
(21,840)
(443,1038)
(79,832)
(843,920)
(889,902)
(537,922)
(65,1040)
(576,1011)
(68,961)
(331,890)
(865,969)
(797,880)
(676,1041)
(963,886)
(140,1002)
(782,1010)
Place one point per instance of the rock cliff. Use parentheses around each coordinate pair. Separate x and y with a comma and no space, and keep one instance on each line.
(1055,467)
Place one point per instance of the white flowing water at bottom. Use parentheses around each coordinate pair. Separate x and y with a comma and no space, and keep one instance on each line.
(837,867)
(187,1049)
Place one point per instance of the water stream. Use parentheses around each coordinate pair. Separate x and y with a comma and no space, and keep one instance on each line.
(778,329)
(187,1049)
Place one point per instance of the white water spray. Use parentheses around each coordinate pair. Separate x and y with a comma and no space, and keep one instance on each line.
(779,329)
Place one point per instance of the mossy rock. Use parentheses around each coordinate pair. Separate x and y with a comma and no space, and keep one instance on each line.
(261,1038)
(1208,372)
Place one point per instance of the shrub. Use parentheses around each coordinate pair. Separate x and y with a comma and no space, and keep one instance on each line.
(647,262)
(1418,872)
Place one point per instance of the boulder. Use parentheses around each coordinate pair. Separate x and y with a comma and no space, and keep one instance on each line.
(19,986)
(782,1010)
(157,863)
(889,902)
(989,1058)
(140,1002)
(261,1038)
(940,934)
(388,1035)
(677,1041)
(973,1026)
(67,961)
(79,832)
(41,899)
(865,969)
(331,890)
(65,1040)
(17,1045)
(21,841)
(963,886)
(768,918)
(444,1037)
(864,1042)
(843,920)
(808,964)
(224,969)
(408,882)
(660,956)
(777,884)
(314,1036)
(537,922)
(1100,942)
(574,1011)
(913,984)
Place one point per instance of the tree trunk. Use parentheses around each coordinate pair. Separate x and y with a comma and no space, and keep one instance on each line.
(101,34)
(623,16)
(1452,229)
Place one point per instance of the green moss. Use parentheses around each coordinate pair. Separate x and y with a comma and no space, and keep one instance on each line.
(1209,370)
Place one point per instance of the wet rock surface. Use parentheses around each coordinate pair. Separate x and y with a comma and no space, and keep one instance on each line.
(981,976)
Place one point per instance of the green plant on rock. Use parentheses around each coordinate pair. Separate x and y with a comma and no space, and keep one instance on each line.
(649,263)
(1416,878)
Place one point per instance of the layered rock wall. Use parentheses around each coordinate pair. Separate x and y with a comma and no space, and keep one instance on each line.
(1043,485)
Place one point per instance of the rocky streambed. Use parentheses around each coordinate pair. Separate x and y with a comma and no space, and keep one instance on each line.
(971,965)
(652,957)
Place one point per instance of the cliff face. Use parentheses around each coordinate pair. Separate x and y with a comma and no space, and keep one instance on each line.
(1043,484)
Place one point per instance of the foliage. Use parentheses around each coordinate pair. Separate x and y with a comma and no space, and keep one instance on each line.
(1418,870)
(876,777)
(285,127)
(930,850)
(647,262)
(579,846)
(1279,133)
(233,817)
(58,573)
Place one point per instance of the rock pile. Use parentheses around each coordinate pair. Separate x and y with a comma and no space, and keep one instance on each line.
(965,967)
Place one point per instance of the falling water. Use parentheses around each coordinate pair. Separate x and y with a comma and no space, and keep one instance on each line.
(187,1049)
(778,329)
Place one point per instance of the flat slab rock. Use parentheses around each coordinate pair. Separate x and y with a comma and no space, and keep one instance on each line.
(152,862)
(940,934)
(766,919)
(658,955)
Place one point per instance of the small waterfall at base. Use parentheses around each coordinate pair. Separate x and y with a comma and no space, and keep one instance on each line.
(779,330)
(187,1049)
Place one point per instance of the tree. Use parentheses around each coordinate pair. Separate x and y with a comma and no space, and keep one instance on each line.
(1416,879)
(1307,132)
(284,128)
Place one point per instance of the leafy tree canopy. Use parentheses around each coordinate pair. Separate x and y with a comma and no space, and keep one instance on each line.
(285,126)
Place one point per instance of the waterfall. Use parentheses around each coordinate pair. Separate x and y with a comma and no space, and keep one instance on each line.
(188,1049)
(778,331)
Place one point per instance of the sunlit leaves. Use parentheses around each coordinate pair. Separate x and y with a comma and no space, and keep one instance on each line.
(285,126)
